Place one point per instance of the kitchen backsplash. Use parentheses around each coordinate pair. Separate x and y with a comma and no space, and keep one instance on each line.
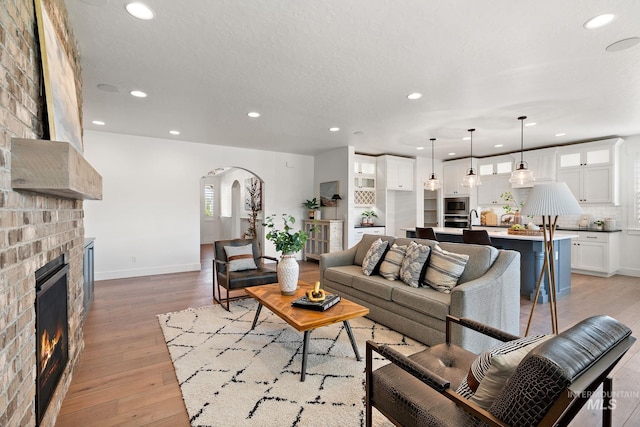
(597,211)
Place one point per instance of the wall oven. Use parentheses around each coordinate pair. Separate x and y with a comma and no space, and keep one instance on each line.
(456,206)
(456,212)
(456,221)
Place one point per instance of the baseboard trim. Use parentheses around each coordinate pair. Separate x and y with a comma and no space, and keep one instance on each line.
(139,272)
(634,272)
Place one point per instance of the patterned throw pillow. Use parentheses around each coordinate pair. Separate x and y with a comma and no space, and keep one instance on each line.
(445,268)
(390,267)
(373,256)
(484,380)
(412,264)
(240,257)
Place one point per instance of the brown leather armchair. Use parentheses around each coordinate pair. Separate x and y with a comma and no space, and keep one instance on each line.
(548,387)
(231,280)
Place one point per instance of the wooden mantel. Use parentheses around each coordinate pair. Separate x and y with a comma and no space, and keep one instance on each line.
(53,168)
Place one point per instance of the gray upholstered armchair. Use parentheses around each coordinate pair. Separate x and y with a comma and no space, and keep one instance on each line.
(550,383)
(256,274)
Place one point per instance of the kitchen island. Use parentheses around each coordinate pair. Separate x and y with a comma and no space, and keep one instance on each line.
(531,250)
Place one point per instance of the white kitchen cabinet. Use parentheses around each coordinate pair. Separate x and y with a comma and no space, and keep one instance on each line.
(326,237)
(397,173)
(591,170)
(364,181)
(595,253)
(494,174)
(453,171)
(358,232)
(364,165)
(542,163)
(590,185)
(491,189)
(496,165)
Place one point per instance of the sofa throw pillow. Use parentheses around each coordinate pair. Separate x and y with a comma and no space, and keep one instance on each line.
(481,365)
(240,257)
(390,267)
(373,256)
(444,270)
(413,262)
(500,370)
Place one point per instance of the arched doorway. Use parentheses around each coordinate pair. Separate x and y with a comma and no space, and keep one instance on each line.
(231,204)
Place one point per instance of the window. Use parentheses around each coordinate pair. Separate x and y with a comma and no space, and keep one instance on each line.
(208,200)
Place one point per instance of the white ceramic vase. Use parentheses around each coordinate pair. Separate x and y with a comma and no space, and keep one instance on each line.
(288,270)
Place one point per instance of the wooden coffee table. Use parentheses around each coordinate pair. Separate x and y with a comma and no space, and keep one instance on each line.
(305,320)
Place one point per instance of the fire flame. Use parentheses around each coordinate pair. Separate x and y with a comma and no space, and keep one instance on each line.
(47,347)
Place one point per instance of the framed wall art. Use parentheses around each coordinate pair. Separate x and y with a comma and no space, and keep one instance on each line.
(327,190)
(59,83)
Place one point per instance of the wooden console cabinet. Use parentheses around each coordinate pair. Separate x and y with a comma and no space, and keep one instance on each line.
(327,237)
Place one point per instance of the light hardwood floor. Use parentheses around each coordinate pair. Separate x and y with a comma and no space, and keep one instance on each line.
(125,376)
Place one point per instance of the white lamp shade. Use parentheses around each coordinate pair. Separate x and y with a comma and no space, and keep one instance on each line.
(552,198)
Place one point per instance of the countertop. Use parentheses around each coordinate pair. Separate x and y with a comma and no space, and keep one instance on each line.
(591,230)
(499,232)
(368,226)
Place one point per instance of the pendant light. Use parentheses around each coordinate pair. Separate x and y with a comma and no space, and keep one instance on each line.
(521,175)
(471,179)
(432,184)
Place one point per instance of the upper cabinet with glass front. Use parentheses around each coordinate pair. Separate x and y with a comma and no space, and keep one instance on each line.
(364,180)
(591,170)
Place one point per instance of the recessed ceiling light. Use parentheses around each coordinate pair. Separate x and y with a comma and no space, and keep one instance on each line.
(253,114)
(599,21)
(419,148)
(560,134)
(452,154)
(530,124)
(623,44)
(98,122)
(140,11)
(138,94)
(414,95)
(174,132)
(466,138)
(498,145)
(334,129)
(107,88)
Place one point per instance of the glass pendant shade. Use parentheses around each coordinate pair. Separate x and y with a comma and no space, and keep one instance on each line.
(432,184)
(471,179)
(521,175)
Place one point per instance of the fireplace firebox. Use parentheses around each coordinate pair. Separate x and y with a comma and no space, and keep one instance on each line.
(52,345)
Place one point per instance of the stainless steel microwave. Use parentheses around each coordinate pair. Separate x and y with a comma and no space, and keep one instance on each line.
(456,206)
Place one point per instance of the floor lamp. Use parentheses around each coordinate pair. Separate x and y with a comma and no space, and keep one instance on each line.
(549,201)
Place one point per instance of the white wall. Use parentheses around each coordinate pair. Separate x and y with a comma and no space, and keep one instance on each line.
(335,165)
(149,219)
(630,238)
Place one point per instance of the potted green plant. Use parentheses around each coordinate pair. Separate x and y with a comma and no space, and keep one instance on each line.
(598,224)
(512,206)
(367,218)
(312,205)
(288,243)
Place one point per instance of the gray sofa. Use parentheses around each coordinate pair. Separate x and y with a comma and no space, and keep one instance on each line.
(488,291)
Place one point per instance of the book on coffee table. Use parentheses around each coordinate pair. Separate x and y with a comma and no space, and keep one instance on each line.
(329,301)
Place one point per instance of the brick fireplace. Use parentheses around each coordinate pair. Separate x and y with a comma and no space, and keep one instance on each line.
(34,228)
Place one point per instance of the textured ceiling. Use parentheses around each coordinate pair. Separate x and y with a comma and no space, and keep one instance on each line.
(308,65)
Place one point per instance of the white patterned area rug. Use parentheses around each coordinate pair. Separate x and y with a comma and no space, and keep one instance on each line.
(232,376)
